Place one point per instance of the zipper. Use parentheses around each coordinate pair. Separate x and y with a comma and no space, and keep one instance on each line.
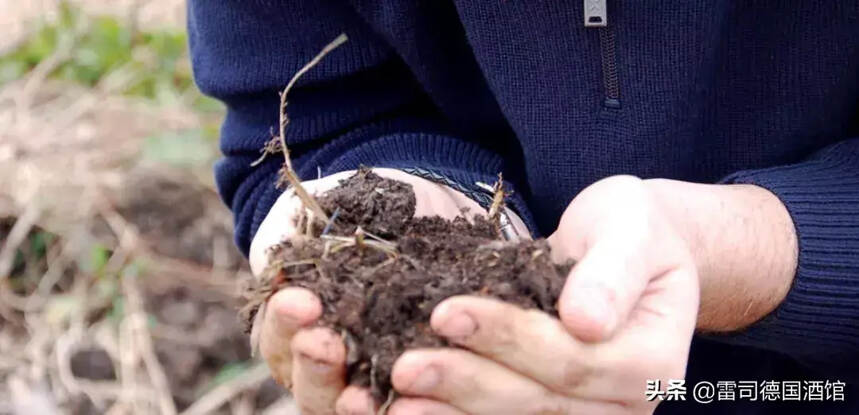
(596,16)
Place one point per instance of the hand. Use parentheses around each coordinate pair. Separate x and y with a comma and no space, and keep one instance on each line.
(627,315)
(628,309)
(311,361)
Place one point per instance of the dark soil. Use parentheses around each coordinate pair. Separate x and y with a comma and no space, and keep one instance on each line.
(380,293)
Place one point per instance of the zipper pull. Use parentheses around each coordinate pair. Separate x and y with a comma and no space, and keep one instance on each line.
(595,13)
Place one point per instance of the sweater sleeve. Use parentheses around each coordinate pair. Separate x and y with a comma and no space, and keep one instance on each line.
(818,322)
(359,106)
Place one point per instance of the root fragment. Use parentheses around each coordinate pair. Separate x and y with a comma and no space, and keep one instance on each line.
(496,208)
(383,410)
(497,199)
(287,173)
(333,218)
(380,306)
(359,237)
(496,212)
(272,146)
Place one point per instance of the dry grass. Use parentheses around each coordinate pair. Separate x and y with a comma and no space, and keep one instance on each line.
(71,165)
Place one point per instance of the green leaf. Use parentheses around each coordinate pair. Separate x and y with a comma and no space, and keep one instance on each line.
(96,260)
(39,243)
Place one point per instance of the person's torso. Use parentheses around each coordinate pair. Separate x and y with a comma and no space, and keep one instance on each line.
(685,90)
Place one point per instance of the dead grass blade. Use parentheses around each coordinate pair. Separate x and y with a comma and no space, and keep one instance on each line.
(223,393)
(287,172)
(17,236)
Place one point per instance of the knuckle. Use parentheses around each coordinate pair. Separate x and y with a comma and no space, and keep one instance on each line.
(496,334)
(574,373)
(504,336)
(456,378)
(620,187)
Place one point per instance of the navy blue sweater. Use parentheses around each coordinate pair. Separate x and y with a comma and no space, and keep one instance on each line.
(762,92)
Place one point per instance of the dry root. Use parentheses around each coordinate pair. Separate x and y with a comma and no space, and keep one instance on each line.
(287,173)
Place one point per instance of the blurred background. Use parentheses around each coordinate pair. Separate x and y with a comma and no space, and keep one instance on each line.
(118,275)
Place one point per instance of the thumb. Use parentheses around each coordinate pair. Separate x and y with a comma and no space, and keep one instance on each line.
(601,291)
(604,287)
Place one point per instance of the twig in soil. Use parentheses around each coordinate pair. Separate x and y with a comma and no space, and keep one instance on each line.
(333,218)
(308,226)
(359,238)
(498,195)
(374,360)
(345,242)
(496,213)
(379,239)
(326,249)
(352,354)
(383,410)
(287,173)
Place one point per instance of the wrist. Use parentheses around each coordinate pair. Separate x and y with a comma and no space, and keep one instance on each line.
(744,245)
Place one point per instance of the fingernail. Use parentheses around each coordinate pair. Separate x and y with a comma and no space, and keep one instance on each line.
(458,325)
(316,365)
(426,380)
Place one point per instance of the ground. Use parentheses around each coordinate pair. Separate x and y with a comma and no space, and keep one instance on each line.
(118,275)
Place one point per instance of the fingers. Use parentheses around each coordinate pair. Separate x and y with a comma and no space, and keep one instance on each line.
(456,377)
(609,282)
(311,361)
(288,310)
(611,371)
(654,346)
(622,244)
(603,287)
(419,406)
(319,372)
(355,401)
(518,339)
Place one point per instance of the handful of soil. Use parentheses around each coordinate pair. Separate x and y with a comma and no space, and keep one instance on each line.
(379,271)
